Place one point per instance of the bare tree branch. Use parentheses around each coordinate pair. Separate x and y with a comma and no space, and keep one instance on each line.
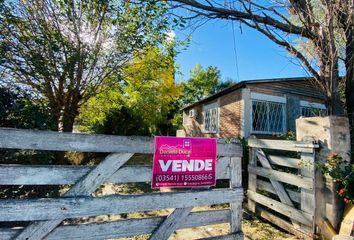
(227,13)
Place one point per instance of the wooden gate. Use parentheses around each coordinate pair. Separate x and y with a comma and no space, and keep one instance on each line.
(47,214)
(281,186)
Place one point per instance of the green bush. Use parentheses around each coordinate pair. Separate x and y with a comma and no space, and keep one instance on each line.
(342,173)
(19,109)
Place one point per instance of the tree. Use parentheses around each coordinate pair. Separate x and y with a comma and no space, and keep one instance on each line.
(21,110)
(225,84)
(123,121)
(147,97)
(202,83)
(273,19)
(151,87)
(328,26)
(65,50)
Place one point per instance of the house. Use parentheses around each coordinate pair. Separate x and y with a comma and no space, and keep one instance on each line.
(257,107)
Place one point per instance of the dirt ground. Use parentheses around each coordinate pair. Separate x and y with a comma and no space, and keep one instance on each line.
(253,229)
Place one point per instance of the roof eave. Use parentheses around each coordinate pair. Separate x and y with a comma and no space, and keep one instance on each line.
(241,85)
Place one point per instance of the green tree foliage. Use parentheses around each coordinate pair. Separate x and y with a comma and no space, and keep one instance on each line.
(123,121)
(202,83)
(151,88)
(65,50)
(225,84)
(147,99)
(21,110)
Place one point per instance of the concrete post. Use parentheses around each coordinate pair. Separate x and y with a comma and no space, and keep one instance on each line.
(246,116)
(333,135)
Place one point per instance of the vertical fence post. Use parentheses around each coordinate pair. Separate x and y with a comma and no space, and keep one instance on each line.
(236,207)
(308,201)
(252,179)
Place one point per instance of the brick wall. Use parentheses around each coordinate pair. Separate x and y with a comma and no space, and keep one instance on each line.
(230,112)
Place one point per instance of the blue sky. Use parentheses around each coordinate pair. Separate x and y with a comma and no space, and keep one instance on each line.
(212,44)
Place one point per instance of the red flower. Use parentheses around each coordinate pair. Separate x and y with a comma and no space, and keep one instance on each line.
(341,191)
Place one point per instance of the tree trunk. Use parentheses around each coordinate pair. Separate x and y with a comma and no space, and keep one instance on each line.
(330,78)
(68,122)
(349,95)
(328,64)
(337,107)
(65,122)
(349,81)
(71,110)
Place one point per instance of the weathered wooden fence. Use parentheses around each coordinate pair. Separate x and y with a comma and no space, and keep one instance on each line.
(47,214)
(281,186)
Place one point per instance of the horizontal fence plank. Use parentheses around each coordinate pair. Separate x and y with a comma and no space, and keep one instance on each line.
(266,186)
(282,208)
(60,141)
(75,207)
(55,141)
(282,145)
(9,233)
(60,174)
(125,228)
(278,221)
(285,161)
(296,180)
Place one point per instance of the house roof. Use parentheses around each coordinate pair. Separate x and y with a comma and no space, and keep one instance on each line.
(242,84)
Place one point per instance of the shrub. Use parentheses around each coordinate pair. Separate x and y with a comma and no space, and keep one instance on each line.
(342,173)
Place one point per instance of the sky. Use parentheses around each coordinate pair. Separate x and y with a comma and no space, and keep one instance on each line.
(257,57)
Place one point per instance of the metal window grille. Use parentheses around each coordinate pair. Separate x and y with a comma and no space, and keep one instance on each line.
(268,117)
(207,120)
(210,120)
(213,120)
(313,112)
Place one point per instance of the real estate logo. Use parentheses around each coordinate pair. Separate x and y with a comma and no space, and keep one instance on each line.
(184,149)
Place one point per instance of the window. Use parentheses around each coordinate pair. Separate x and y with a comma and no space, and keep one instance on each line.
(268,117)
(313,112)
(309,109)
(210,121)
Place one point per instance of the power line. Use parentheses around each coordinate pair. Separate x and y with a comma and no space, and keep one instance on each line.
(235,49)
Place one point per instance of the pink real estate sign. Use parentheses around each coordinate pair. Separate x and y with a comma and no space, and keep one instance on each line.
(184,162)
